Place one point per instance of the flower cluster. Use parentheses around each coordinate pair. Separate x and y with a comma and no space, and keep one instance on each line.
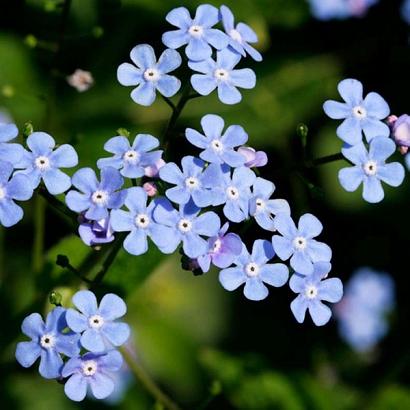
(364,116)
(213,54)
(362,315)
(78,346)
(340,9)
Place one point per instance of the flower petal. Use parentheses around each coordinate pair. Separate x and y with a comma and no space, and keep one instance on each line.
(203,84)
(350,178)
(64,156)
(255,289)
(144,94)
(331,290)
(116,333)
(231,278)
(381,148)
(168,85)
(392,174)
(243,78)
(128,74)
(85,301)
(56,181)
(101,385)
(112,307)
(76,387)
(319,312)
(336,110)
(299,306)
(351,91)
(376,106)
(275,274)
(179,17)
(301,263)
(92,340)
(175,38)
(350,131)
(136,242)
(27,353)
(143,56)
(169,61)
(282,246)
(51,364)
(85,180)
(40,143)
(372,189)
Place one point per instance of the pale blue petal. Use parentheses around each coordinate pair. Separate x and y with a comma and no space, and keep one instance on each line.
(194,245)
(227,59)
(243,177)
(376,106)
(356,153)
(212,125)
(216,38)
(198,49)
(351,91)
(8,132)
(77,202)
(56,181)
(228,94)
(128,74)
(381,148)
(101,385)
(233,212)
(195,138)
(10,213)
(262,251)
(111,179)
(207,224)
(234,136)
(282,246)
(169,61)
(111,361)
(112,307)
(171,173)
(202,197)
(92,340)
(179,17)
(318,251)
(255,54)
(136,242)
(64,156)
(144,94)
(86,302)
(331,290)
(204,67)
(392,174)
(116,333)
(350,178)
(76,387)
(372,189)
(336,110)
(27,353)
(255,289)
(274,274)
(76,321)
(299,307)
(285,226)
(206,15)
(309,226)
(247,33)
(145,143)
(12,152)
(192,166)
(117,145)
(297,283)
(350,131)
(203,84)
(319,312)
(164,213)
(143,56)
(51,364)
(301,263)
(168,85)
(175,38)
(165,238)
(40,143)
(19,188)
(136,200)
(243,78)
(68,345)
(96,212)
(374,128)
(179,195)
(85,180)
(231,278)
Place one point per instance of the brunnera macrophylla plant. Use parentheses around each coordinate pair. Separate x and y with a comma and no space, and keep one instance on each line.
(136,200)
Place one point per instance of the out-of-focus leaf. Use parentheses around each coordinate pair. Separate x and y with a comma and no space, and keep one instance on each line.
(391,397)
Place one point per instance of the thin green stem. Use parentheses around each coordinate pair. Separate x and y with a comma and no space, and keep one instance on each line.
(169,102)
(147,382)
(57,204)
(324,160)
(39,233)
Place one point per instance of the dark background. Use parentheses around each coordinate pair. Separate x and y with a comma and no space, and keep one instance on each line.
(188,331)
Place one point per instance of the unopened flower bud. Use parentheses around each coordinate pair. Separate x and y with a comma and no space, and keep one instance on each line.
(400,132)
(55,298)
(150,188)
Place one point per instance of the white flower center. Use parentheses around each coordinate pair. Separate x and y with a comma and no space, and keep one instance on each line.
(359,112)
(142,220)
(95,321)
(234,34)
(217,245)
(42,163)
(221,74)
(185,225)
(47,341)
(217,145)
(196,31)
(151,74)
(232,193)
(311,291)
(370,168)
(89,368)
(252,269)
(192,183)
(2,193)
(260,204)
(131,156)
(100,197)
(300,243)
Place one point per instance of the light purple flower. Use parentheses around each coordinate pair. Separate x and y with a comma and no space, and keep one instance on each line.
(253,270)
(223,248)
(312,290)
(150,75)
(221,74)
(253,158)
(197,33)
(400,131)
(98,325)
(49,341)
(92,371)
(240,35)
(95,232)
(218,148)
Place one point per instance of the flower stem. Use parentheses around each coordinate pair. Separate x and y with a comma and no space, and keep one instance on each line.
(324,160)
(146,380)
(39,228)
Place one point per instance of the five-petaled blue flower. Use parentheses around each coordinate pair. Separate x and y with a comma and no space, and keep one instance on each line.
(139,222)
(150,75)
(43,163)
(10,152)
(234,191)
(254,271)
(187,226)
(370,168)
(298,243)
(48,341)
(222,75)
(193,182)
(262,208)
(312,289)
(17,188)
(96,197)
(197,33)
(223,248)
(98,324)
(218,148)
(131,160)
(359,114)
(91,370)
(240,35)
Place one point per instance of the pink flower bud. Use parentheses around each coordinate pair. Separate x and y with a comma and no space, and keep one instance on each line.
(152,170)
(150,188)
(81,80)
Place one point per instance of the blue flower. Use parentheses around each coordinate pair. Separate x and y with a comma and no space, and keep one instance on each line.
(218,148)
(193,182)
(234,192)
(150,75)
(368,299)
(93,370)
(139,222)
(187,226)
(254,271)
(95,232)
(197,33)
(131,160)
(221,75)
(17,188)
(262,208)
(253,158)
(405,11)
(223,248)
(312,289)
(48,341)
(359,114)
(370,168)
(240,35)
(298,243)
(98,324)
(9,151)
(96,197)
(43,163)
(339,9)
